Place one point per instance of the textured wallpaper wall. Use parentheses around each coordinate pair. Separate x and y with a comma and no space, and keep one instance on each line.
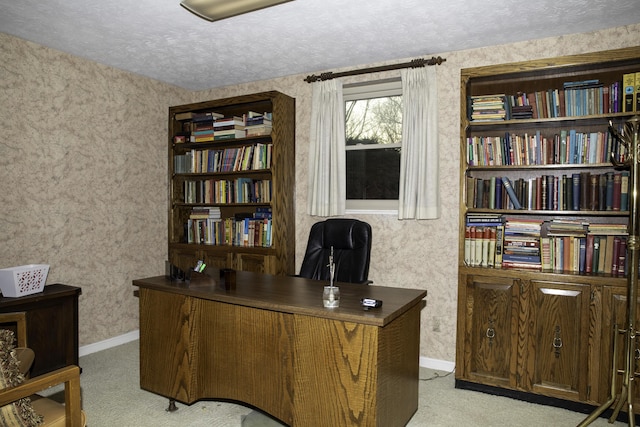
(83,175)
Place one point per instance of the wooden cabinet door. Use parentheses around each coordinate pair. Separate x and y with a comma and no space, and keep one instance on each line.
(218,259)
(491,337)
(557,348)
(614,313)
(184,259)
(253,262)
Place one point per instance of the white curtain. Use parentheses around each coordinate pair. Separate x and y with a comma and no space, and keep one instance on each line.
(419,190)
(327,181)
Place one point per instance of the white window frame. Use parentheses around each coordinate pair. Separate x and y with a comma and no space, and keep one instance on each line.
(368,90)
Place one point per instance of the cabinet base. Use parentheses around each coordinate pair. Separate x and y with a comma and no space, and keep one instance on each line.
(541,400)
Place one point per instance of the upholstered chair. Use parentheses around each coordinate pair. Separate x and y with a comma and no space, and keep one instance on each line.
(20,405)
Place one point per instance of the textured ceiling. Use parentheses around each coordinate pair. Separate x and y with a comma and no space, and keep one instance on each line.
(161,40)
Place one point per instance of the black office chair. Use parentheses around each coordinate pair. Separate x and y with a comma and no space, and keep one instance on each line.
(351,242)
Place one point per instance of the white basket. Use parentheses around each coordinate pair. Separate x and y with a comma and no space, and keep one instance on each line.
(23,280)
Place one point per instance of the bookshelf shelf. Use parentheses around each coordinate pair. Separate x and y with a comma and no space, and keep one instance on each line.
(230,195)
(530,276)
(546,213)
(551,120)
(541,167)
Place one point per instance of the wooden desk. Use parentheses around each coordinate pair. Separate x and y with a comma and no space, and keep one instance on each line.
(52,325)
(271,344)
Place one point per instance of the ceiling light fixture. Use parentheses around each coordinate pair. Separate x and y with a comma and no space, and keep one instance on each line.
(215,10)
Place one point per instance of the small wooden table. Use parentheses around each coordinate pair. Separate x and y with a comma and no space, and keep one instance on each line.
(52,325)
(271,344)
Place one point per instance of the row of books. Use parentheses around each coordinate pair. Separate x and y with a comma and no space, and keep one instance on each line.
(239,190)
(497,242)
(567,147)
(213,126)
(246,232)
(582,191)
(574,99)
(249,157)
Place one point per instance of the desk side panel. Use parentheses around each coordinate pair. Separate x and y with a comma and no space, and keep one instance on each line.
(245,354)
(167,323)
(335,373)
(399,369)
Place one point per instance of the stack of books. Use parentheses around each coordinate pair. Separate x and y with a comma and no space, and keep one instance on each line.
(485,108)
(522,243)
(202,126)
(258,124)
(229,128)
(519,112)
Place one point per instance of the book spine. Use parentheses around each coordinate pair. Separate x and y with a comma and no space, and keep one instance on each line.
(583,254)
(575,179)
(637,92)
(512,195)
(629,96)
(585,179)
(499,246)
(498,193)
(588,267)
(624,191)
(594,192)
(617,191)
(478,247)
(622,257)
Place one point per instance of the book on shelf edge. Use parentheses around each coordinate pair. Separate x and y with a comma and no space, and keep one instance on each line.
(637,92)
(629,95)
(506,183)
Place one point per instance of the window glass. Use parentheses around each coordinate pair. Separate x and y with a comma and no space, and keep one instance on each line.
(373,126)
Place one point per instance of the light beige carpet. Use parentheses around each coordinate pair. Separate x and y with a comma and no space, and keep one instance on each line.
(112,397)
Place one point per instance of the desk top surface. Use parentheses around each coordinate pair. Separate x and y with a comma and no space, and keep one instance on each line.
(295,295)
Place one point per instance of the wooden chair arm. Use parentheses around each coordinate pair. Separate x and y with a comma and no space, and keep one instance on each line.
(20,319)
(69,375)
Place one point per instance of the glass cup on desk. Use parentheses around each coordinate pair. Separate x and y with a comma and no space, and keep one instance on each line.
(331,297)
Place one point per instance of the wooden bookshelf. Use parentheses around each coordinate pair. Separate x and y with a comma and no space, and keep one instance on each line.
(540,334)
(242,177)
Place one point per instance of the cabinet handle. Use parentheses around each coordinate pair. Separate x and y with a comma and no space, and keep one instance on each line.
(557,342)
(491,333)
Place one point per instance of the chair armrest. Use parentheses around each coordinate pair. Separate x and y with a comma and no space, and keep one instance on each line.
(20,319)
(69,375)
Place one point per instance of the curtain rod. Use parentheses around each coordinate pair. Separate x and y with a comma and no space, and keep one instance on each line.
(414,63)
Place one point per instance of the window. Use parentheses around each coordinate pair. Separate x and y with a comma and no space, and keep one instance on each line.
(373,126)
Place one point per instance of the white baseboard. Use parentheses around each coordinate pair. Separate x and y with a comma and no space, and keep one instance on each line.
(108,343)
(439,365)
(425,362)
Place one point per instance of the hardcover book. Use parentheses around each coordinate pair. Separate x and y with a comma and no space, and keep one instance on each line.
(506,183)
(629,95)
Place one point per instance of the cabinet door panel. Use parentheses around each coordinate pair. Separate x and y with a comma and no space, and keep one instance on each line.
(185,260)
(491,322)
(217,259)
(255,263)
(615,314)
(558,341)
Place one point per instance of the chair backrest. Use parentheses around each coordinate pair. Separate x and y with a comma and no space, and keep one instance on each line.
(351,242)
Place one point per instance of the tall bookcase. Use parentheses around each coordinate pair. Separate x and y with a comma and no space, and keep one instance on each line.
(248,181)
(538,326)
